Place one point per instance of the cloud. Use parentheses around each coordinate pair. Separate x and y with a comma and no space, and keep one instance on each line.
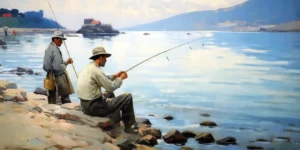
(119,13)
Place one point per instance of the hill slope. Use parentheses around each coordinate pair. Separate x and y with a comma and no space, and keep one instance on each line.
(252,13)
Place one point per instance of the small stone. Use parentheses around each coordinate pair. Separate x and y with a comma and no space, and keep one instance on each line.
(208,123)
(37,108)
(205,115)
(282,139)
(143,120)
(151,115)
(262,140)
(254,148)
(124,144)
(185,148)
(41,91)
(168,117)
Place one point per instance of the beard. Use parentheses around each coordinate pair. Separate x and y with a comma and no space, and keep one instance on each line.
(102,64)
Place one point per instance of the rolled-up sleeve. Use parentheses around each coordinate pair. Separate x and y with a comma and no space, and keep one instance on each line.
(106,81)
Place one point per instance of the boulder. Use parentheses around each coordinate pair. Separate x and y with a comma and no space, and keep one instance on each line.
(62,141)
(188,134)
(79,116)
(208,123)
(204,138)
(151,131)
(148,140)
(175,137)
(17,95)
(6,85)
(226,141)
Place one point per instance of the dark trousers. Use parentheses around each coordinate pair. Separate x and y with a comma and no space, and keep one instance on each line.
(108,105)
(54,98)
(5,33)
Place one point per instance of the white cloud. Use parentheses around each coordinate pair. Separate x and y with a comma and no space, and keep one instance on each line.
(119,13)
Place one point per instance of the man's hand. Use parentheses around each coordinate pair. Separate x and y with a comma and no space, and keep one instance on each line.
(119,74)
(123,75)
(69,61)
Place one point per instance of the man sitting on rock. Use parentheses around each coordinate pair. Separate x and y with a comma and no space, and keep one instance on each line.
(94,102)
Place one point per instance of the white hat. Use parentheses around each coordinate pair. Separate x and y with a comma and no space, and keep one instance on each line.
(99,51)
(59,34)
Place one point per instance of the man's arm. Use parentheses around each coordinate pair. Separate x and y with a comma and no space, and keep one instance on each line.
(106,82)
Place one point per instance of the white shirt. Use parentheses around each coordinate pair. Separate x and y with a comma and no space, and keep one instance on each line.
(90,81)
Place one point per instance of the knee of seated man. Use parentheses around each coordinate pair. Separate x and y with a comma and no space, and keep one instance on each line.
(128,94)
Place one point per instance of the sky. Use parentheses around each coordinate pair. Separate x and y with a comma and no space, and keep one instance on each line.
(118,13)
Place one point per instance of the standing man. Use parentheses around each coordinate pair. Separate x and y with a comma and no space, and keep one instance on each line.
(5,30)
(94,102)
(53,63)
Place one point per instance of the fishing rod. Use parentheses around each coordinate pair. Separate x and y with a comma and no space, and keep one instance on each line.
(162,53)
(64,41)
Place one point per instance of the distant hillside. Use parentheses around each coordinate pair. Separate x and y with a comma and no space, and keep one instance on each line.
(252,13)
(30,19)
(287,27)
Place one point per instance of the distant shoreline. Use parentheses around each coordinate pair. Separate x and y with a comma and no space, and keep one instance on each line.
(36,30)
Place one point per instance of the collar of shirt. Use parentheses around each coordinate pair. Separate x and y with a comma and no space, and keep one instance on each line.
(96,64)
(54,44)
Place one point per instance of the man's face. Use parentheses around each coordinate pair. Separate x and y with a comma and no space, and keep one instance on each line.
(102,61)
(58,41)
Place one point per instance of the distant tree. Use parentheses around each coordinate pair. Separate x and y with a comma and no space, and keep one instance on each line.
(21,15)
(15,12)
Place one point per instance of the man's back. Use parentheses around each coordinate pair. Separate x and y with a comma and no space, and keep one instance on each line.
(90,81)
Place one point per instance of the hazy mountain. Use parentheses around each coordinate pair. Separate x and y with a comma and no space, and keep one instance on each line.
(252,13)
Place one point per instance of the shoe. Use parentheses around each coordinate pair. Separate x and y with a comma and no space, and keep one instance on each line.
(130,131)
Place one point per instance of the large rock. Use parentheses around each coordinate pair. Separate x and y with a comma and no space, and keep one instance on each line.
(17,95)
(72,106)
(6,85)
(152,131)
(226,141)
(208,123)
(189,133)
(175,137)
(20,69)
(204,138)
(148,140)
(41,91)
(79,116)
